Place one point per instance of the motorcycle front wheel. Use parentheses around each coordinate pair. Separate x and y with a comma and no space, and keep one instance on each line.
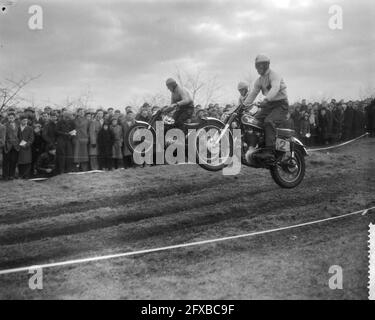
(290,172)
(133,143)
(213,153)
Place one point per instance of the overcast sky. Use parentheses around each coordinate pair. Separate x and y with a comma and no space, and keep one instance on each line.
(123,50)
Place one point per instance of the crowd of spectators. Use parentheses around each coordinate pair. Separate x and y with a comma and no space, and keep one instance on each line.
(42,143)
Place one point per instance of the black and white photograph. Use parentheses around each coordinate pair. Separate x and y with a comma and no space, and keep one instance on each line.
(189,155)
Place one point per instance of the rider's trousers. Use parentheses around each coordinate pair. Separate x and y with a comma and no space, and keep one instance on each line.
(272,115)
(183,114)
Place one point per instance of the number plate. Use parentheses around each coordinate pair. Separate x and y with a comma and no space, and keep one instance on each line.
(282,145)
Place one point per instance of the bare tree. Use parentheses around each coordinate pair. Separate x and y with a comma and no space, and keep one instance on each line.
(203,88)
(10,91)
(212,90)
(158,99)
(191,81)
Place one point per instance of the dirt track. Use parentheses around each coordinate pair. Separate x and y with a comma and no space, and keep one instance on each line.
(79,216)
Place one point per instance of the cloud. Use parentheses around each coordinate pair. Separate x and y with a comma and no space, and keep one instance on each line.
(124,48)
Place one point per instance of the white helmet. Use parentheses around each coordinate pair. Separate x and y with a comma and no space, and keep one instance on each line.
(261,58)
(242,85)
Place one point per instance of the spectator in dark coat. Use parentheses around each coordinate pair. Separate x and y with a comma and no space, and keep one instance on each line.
(26,138)
(143,115)
(337,123)
(49,130)
(11,148)
(46,163)
(296,117)
(65,130)
(305,133)
(323,126)
(38,147)
(81,141)
(95,126)
(348,122)
(105,143)
(128,122)
(118,142)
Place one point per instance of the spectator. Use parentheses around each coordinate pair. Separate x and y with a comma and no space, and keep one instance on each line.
(81,141)
(11,148)
(46,163)
(348,121)
(288,123)
(305,133)
(26,138)
(49,130)
(337,123)
(38,146)
(44,119)
(65,130)
(143,115)
(94,129)
(105,141)
(323,126)
(128,122)
(117,143)
(296,117)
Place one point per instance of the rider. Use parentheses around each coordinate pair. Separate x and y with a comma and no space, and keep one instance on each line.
(274,107)
(243,89)
(181,99)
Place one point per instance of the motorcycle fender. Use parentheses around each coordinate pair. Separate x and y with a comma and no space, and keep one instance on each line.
(219,122)
(145,123)
(298,144)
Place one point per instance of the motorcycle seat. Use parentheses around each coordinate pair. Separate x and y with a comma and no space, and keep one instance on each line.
(287,133)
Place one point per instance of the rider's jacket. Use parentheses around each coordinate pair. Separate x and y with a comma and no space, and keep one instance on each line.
(272,86)
(181,97)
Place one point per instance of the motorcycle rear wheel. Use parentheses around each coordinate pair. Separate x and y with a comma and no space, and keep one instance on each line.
(291,173)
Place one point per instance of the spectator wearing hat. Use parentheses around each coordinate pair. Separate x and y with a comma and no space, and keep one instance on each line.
(117,143)
(30,115)
(65,131)
(305,133)
(337,123)
(46,163)
(11,148)
(105,141)
(324,126)
(143,114)
(26,138)
(88,116)
(128,122)
(81,141)
(95,126)
(49,130)
(38,146)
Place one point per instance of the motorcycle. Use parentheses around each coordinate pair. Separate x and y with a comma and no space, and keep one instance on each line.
(287,168)
(165,116)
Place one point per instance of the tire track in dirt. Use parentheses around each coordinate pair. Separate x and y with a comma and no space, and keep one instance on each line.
(18,216)
(24,233)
